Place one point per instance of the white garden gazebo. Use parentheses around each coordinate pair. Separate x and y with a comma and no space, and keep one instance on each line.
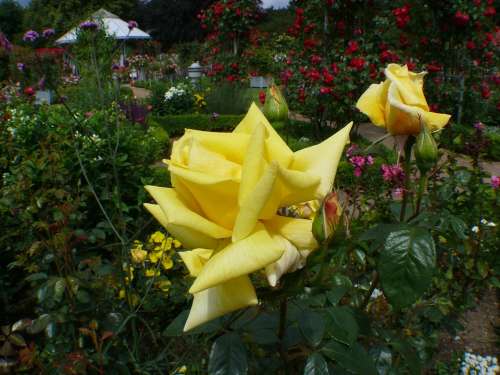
(113,25)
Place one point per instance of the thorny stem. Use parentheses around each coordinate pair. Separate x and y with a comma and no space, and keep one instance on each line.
(407,169)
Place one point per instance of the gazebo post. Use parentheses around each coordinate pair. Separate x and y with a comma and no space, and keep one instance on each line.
(123,55)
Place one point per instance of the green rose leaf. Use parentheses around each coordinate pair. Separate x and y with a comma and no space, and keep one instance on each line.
(353,359)
(316,365)
(312,327)
(342,325)
(228,356)
(406,265)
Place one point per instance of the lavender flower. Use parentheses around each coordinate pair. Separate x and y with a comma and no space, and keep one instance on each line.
(20,66)
(30,36)
(132,25)
(47,33)
(88,25)
(479,126)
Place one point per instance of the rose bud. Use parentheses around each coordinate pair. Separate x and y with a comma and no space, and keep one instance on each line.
(275,107)
(426,150)
(327,218)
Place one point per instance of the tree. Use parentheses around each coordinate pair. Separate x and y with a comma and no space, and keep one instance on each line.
(62,15)
(11,17)
(172,21)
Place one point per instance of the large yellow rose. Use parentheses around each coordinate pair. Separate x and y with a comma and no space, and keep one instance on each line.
(227,189)
(398,104)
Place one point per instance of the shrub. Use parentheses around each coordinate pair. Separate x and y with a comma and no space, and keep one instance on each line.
(176,124)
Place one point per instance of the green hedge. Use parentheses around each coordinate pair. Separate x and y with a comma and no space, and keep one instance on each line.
(175,124)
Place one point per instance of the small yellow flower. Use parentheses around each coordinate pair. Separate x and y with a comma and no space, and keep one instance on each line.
(152,272)
(121,294)
(177,244)
(167,243)
(138,255)
(164,285)
(155,256)
(167,263)
(130,274)
(157,237)
(180,371)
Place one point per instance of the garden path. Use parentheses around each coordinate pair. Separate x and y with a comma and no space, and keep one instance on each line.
(139,92)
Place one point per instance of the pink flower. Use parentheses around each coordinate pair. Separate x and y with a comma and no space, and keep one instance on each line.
(392,173)
(495,182)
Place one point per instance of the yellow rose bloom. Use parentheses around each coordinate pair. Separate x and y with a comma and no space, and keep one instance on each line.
(227,190)
(399,104)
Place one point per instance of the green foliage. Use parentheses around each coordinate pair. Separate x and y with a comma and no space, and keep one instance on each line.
(228,356)
(11,17)
(175,125)
(230,99)
(406,265)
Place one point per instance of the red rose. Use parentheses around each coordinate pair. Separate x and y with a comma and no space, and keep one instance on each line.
(310,43)
(470,45)
(357,63)
(262,97)
(327,77)
(461,18)
(433,107)
(29,91)
(411,65)
(490,11)
(434,67)
(302,95)
(315,59)
(314,75)
(325,90)
(352,46)
(335,69)
(485,91)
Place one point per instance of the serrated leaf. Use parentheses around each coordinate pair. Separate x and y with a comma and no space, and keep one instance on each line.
(228,356)
(312,327)
(406,265)
(342,324)
(316,365)
(353,359)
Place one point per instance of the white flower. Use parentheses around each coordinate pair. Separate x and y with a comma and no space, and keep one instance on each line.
(475,229)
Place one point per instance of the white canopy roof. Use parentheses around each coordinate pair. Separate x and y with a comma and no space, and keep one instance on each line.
(113,25)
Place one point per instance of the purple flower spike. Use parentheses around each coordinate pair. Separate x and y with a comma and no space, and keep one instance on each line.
(132,25)
(47,33)
(88,25)
(30,36)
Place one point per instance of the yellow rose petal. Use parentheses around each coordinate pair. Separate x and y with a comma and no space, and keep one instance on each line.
(238,258)
(297,231)
(276,147)
(219,300)
(410,87)
(373,102)
(195,260)
(190,237)
(322,160)
(290,261)
(217,197)
(177,213)
(255,202)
